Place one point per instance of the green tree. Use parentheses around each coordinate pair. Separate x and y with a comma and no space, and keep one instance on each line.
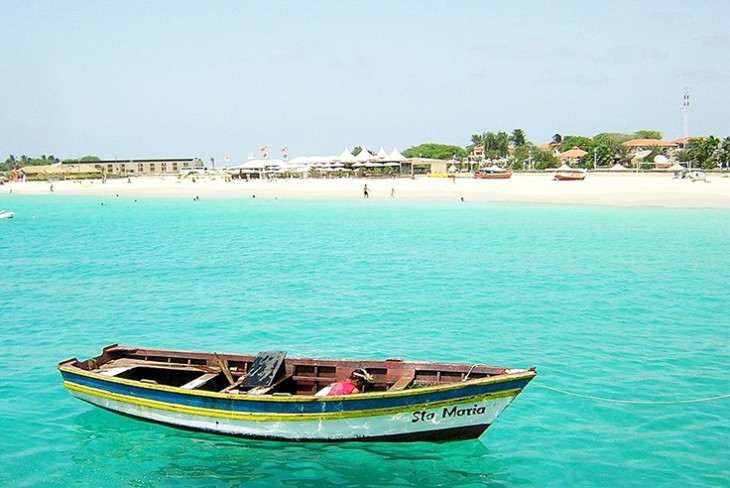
(544,159)
(582,142)
(82,159)
(496,145)
(610,138)
(608,148)
(521,158)
(9,163)
(706,153)
(648,134)
(476,140)
(518,138)
(724,156)
(557,139)
(12,162)
(435,151)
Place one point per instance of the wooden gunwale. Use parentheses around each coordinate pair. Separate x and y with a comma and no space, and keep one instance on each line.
(386,372)
(305,398)
(397,370)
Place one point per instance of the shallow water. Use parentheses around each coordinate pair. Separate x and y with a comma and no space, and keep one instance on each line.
(627,304)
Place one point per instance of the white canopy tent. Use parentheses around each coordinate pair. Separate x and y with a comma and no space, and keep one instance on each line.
(364,155)
(310,160)
(395,156)
(345,157)
(258,164)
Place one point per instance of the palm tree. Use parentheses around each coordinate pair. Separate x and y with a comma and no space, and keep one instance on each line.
(518,138)
(477,139)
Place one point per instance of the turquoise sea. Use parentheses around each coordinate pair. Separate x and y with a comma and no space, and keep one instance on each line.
(624,311)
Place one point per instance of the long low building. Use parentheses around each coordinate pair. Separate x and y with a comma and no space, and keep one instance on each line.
(137,167)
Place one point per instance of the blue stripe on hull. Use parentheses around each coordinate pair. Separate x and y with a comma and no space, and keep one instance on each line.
(260,405)
(436,435)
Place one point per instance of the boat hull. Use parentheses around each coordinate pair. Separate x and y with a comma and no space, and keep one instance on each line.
(493,176)
(569,177)
(461,419)
(459,410)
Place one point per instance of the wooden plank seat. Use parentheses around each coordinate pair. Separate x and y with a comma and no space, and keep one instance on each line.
(199,381)
(129,363)
(402,383)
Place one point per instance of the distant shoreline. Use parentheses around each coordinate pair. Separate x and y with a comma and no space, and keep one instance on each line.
(612,189)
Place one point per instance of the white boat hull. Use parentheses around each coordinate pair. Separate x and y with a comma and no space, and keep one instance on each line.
(414,421)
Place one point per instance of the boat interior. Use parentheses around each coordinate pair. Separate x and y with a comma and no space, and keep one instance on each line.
(269,372)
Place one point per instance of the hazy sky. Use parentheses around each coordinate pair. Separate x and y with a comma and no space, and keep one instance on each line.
(159,79)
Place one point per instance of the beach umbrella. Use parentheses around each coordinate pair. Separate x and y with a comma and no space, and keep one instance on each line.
(573,153)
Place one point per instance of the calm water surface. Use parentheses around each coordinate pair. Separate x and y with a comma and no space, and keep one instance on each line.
(628,304)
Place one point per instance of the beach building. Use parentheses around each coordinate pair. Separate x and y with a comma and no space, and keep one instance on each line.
(136,167)
(56,172)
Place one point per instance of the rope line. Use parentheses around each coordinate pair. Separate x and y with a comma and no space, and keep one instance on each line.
(633,402)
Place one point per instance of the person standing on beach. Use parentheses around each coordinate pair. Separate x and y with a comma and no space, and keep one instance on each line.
(392,193)
(365,193)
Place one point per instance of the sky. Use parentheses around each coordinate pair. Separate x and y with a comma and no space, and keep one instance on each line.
(172,79)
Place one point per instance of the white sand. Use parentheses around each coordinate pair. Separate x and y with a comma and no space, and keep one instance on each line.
(597,189)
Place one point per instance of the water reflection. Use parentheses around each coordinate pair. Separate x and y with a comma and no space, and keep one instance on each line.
(129,452)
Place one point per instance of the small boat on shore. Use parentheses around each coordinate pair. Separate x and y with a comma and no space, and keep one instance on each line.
(6,214)
(271,396)
(571,175)
(487,175)
(493,172)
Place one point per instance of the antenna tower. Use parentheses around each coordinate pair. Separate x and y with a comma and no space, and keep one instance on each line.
(685,111)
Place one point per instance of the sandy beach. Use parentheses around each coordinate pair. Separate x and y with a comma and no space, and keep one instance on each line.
(644,189)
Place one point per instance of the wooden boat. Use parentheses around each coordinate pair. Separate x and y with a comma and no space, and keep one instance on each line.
(573,175)
(489,175)
(271,396)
